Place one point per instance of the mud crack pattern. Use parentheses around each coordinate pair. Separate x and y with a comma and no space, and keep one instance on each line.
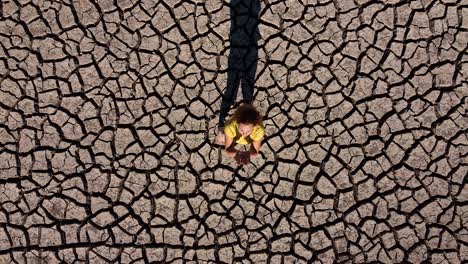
(108,112)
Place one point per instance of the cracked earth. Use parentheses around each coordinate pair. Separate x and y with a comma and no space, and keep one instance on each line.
(108,114)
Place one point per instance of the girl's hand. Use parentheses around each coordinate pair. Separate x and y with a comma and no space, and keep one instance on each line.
(253,151)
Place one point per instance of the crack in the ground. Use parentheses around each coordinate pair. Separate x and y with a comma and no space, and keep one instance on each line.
(108,113)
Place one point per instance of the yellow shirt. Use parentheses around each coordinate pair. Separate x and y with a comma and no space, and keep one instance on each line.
(231,129)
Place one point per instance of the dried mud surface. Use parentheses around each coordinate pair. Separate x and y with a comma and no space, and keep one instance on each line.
(108,112)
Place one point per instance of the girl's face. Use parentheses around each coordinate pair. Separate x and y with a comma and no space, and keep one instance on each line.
(245,129)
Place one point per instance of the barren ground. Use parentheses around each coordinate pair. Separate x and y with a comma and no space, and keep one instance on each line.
(108,112)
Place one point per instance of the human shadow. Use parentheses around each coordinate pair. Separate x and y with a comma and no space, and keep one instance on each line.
(243,56)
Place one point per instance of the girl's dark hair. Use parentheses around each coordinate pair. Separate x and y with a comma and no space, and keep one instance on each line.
(247,114)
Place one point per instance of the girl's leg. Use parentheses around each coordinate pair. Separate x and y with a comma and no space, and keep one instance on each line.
(220,135)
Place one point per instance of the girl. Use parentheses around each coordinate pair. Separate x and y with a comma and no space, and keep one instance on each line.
(245,127)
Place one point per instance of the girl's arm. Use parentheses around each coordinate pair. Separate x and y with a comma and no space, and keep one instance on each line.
(230,150)
(255,147)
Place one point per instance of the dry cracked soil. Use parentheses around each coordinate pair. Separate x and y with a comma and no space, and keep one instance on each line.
(108,114)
